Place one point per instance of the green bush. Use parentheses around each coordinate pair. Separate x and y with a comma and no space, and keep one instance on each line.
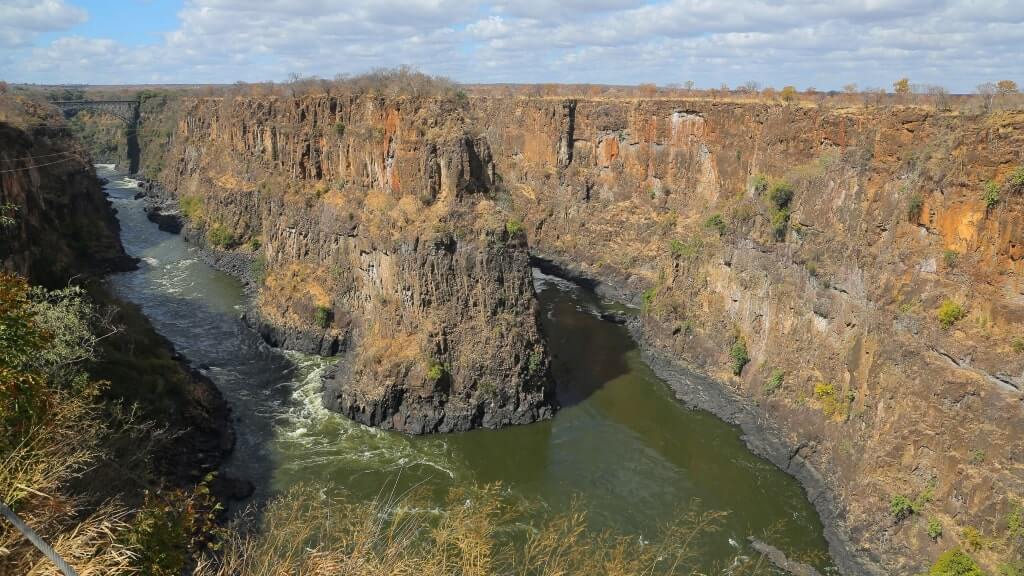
(739,355)
(900,507)
(759,183)
(435,371)
(1016,179)
(934,528)
(322,316)
(780,222)
(685,249)
(221,237)
(258,267)
(950,312)
(536,360)
(514,227)
(955,563)
(716,223)
(991,195)
(191,207)
(774,381)
(780,194)
(339,129)
(914,207)
(950,257)
(647,299)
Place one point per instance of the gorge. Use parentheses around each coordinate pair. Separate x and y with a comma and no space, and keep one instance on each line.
(832,280)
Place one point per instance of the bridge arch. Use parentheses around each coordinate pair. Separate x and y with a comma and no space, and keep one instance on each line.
(126,110)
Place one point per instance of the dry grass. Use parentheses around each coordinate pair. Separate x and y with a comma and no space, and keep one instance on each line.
(34,480)
(479,532)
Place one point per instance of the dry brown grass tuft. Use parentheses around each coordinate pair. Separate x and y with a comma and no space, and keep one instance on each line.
(477,533)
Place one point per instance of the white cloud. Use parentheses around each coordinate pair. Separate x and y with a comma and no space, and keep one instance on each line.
(21,21)
(804,42)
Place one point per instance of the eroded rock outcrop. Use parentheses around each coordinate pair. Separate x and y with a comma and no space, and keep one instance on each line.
(373,231)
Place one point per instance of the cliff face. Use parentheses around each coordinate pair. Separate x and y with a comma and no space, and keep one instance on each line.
(835,291)
(373,231)
(60,222)
(801,256)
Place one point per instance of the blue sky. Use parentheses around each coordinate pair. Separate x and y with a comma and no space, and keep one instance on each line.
(954,43)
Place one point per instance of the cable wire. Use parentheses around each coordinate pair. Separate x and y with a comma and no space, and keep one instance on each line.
(36,540)
(23,168)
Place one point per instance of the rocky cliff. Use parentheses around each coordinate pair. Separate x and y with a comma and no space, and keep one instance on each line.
(373,231)
(851,277)
(57,228)
(855,275)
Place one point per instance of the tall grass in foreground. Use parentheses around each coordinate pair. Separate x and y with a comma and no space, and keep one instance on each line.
(477,533)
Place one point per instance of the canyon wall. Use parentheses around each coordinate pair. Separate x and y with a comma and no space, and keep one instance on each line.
(371,230)
(840,272)
(821,245)
(59,229)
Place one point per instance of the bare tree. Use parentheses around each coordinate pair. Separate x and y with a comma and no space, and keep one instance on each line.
(987,91)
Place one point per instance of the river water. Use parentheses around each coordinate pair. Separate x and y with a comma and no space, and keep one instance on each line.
(622,444)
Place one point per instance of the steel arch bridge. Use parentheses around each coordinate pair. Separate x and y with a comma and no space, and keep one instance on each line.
(126,110)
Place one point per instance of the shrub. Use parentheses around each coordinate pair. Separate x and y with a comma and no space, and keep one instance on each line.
(774,381)
(258,268)
(991,195)
(934,528)
(900,506)
(716,223)
(221,237)
(322,316)
(780,194)
(1017,344)
(1016,180)
(7,215)
(759,183)
(831,404)
(339,129)
(739,355)
(950,257)
(780,222)
(972,538)
(688,248)
(191,207)
(955,563)
(950,312)
(914,206)
(536,360)
(647,299)
(435,371)
(514,227)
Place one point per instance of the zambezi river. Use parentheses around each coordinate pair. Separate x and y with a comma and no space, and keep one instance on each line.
(622,445)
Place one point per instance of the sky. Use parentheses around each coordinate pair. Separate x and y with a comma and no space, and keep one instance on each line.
(957,44)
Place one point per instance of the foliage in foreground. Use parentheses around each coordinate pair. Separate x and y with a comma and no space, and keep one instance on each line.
(479,532)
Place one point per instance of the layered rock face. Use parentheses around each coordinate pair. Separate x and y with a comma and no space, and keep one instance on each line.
(799,255)
(372,231)
(821,245)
